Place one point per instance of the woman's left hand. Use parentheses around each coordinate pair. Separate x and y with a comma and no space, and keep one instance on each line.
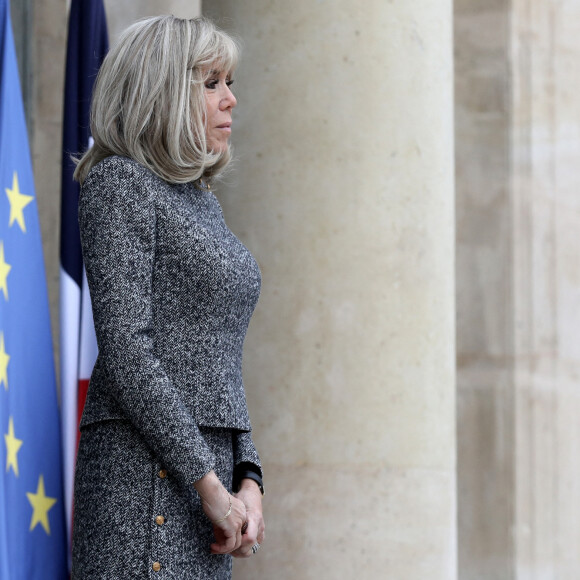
(251,496)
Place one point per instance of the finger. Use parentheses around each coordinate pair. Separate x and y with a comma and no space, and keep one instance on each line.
(251,535)
(232,543)
(262,533)
(224,548)
(218,549)
(256,530)
(239,539)
(242,553)
(253,550)
(225,543)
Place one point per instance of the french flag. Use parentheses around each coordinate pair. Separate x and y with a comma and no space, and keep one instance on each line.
(87,45)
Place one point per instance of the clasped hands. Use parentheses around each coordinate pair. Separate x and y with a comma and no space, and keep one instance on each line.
(243,527)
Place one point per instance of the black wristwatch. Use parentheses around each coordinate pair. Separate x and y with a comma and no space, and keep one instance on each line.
(253,476)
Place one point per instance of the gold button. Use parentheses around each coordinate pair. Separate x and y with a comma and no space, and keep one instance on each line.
(156,566)
(163,474)
(159,520)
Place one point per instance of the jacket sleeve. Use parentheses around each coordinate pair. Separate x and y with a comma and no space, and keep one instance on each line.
(245,452)
(117,222)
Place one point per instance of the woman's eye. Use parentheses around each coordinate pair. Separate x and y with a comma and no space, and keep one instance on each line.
(229,82)
(211,84)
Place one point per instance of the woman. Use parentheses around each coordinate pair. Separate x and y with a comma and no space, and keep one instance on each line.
(165,433)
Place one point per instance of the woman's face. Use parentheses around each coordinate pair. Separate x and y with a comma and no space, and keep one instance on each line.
(219,101)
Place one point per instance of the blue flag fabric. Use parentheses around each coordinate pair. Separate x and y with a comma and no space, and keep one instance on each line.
(32,527)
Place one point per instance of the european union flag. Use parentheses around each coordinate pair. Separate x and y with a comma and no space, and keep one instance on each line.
(32,527)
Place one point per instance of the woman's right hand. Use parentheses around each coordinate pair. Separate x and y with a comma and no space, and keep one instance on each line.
(215,501)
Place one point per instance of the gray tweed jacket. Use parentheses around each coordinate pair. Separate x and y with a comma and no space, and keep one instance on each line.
(172,291)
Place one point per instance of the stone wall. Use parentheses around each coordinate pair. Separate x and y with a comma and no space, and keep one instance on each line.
(121,14)
(545,49)
(485,394)
(518,289)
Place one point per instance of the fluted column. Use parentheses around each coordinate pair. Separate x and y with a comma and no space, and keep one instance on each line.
(121,14)
(344,191)
(518,282)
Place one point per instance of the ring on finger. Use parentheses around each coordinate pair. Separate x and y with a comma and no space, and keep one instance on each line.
(255,548)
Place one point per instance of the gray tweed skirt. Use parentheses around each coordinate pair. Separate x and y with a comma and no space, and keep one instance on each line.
(132,519)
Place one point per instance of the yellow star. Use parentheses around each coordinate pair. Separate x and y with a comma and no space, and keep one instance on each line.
(12,447)
(40,506)
(18,201)
(4,271)
(4,360)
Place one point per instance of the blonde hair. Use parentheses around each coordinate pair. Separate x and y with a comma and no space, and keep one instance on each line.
(148,101)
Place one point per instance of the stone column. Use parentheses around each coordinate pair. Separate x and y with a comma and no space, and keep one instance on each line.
(485,398)
(518,281)
(121,14)
(546,223)
(343,190)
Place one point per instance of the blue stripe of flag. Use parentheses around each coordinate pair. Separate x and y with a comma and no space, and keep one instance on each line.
(87,46)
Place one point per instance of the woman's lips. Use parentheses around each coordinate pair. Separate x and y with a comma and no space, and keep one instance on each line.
(226,127)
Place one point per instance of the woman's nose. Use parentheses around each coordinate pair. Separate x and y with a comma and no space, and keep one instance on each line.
(228,100)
